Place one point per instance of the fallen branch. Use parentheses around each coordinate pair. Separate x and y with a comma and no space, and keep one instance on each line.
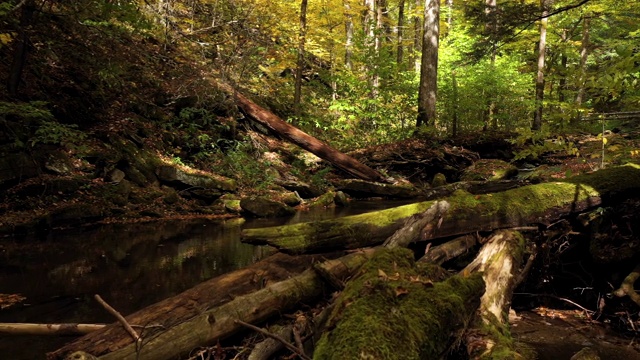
(48,329)
(120,318)
(284,342)
(627,286)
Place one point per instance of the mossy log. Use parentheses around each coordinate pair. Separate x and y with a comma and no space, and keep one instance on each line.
(206,313)
(449,250)
(533,204)
(396,309)
(500,261)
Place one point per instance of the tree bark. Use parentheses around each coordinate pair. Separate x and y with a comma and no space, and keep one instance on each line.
(500,261)
(542,45)
(400,48)
(300,65)
(298,137)
(534,204)
(428,87)
(22,48)
(48,329)
(584,54)
(348,24)
(207,313)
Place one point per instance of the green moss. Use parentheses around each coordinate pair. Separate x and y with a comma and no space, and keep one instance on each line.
(396,310)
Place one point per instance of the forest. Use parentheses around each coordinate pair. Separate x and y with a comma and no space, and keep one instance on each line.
(324,179)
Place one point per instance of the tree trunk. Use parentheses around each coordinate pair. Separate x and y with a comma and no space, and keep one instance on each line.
(584,54)
(348,24)
(428,87)
(400,49)
(300,65)
(417,36)
(206,313)
(296,136)
(500,261)
(534,204)
(537,117)
(491,28)
(22,48)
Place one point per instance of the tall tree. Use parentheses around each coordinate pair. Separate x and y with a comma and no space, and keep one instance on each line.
(584,54)
(417,32)
(300,65)
(428,87)
(400,50)
(542,45)
(348,24)
(27,8)
(491,28)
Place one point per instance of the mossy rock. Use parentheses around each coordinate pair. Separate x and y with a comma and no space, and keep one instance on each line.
(75,214)
(232,206)
(262,207)
(489,170)
(184,180)
(439,180)
(362,189)
(326,200)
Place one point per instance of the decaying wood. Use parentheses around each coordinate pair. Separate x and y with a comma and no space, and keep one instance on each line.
(534,204)
(296,350)
(500,261)
(627,289)
(449,250)
(172,311)
(265,349)
(48,329)
(397,310)
(419,226)
(298,137)
(206,324)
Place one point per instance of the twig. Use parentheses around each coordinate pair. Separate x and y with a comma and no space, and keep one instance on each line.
(274,336)
(561,298)
(120,318)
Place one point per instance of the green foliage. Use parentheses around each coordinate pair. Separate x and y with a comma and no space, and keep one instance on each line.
(242,162)
(533,144)
(52,132)
(35,110)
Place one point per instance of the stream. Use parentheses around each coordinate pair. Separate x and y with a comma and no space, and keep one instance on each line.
(129,265)
(134,265)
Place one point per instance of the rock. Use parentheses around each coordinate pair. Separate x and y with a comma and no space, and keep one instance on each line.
(232,206)
(362,189)
(115,176)
(75,214)
(183,180)
(325,200)
(489,170)
(206,195)
(439,180)
(306,191)
(341,199)
(261,207)
(290,198)
(586,354)
(16,167)
(58,163)
(171,197)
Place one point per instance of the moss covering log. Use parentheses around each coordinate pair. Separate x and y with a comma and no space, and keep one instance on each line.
(449,250)
(205,314)
(500,261)
(533,204)
(399,310)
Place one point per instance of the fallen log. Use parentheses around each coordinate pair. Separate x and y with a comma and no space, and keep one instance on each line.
(397,310)
(534,204)
(172,311)
(298,137)
(500,260)
(208,322)
(449,250)
(48,329)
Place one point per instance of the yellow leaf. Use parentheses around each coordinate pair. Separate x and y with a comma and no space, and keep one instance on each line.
(382,274)
(604,140)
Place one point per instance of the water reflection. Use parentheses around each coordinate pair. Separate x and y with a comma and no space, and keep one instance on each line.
(129,265)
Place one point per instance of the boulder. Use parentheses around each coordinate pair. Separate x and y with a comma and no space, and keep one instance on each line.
(261,207)
(183,180)
(363,189)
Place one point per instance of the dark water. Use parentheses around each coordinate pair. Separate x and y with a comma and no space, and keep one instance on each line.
(129,265)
